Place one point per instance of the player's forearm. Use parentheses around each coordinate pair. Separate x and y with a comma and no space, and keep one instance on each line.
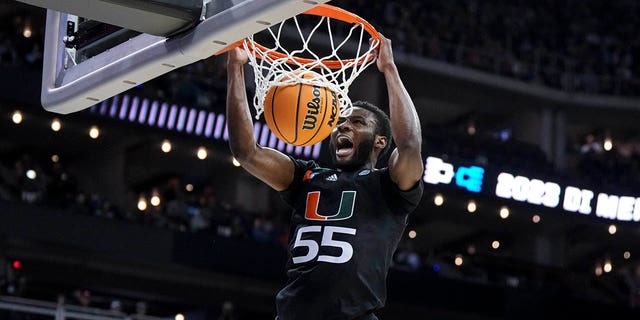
(239,123)
(405,124)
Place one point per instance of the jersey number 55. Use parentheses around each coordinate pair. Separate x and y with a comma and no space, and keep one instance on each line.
(327,241)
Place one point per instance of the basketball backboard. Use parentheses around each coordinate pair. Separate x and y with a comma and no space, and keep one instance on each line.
(137,41)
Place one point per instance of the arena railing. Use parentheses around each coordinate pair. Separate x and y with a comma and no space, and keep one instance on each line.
(61,311)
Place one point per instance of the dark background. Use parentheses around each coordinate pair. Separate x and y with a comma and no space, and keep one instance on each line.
(511,86)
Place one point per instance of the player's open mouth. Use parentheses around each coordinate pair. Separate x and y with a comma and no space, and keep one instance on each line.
(344,147)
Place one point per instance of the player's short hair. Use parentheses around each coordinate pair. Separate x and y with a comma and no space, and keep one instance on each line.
(382,119)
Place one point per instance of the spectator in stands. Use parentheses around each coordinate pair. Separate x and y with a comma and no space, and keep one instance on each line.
(141,308)
(13,283)
(227,311)
(406,258)
(579,46)
(591,145)
(632,279)
(115,306)
(82,297)
(264,230)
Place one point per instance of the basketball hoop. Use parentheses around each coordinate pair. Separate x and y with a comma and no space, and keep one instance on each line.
(351,50)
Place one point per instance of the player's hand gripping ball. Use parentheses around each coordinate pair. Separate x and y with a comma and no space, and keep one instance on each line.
(301,114)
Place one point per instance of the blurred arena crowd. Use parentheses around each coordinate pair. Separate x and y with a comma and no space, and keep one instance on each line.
(590,47)
(578,46)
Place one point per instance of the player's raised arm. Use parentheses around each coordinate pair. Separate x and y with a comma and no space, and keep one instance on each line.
(271,166)
(405,163)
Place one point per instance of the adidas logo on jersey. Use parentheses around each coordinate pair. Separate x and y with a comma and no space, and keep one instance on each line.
(333,177)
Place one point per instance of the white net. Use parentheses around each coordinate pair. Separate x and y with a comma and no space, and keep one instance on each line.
(321,54)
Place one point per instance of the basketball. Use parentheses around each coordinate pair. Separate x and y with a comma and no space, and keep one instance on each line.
(301,114)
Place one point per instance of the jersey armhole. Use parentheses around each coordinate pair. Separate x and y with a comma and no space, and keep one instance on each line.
(401,201)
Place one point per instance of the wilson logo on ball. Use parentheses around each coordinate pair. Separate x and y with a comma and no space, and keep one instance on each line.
(301,114)
(313,108)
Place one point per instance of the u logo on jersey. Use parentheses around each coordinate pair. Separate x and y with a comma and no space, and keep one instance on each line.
(345,211)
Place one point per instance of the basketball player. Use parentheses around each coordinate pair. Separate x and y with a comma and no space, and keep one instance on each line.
(347,220)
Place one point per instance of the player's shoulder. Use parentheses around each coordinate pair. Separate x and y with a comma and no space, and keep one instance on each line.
(308,169)
(304,165)
(377,173)
(312,172)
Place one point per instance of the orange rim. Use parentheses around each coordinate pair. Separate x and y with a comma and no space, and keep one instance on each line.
(322,10)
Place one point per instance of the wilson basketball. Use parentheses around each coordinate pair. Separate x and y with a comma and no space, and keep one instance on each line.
(301,114)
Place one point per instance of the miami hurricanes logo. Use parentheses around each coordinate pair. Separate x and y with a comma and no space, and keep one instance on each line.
(347,202)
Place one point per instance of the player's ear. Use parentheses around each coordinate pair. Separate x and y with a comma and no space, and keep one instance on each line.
(380,142)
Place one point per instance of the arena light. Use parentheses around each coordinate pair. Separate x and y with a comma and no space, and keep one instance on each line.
(103,107)
(124,107)
(16,117)
(153,112)
(273,141)
(598,270)
(200,122)
(495,244)
(217,132)
(281,145)
(608,144)
(471,129)
(133,111)
(471,249)
(26,32)
(225,133)
(182,119)
(166,146)
(31,174)
(626,255)
(202,153)
(142,204)
(612,229)
(113,110)
(56,125)
(162,117)
(208,127)
(264,136)
(55,158)
(155,200)
(94,132)
(316,150)
(472,206)
(173,114)
(438,199)
(16,264)
(504,212)
(535,218)
(458,260)
(191,120)
(413,234)
(607,266)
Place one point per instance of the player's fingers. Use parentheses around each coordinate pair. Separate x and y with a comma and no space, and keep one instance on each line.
(237,55)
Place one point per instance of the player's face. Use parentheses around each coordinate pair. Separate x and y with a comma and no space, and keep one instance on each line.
(352,139)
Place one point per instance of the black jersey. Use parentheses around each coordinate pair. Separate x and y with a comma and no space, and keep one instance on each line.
(345,229)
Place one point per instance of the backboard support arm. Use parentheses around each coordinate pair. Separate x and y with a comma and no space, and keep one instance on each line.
(68,87)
